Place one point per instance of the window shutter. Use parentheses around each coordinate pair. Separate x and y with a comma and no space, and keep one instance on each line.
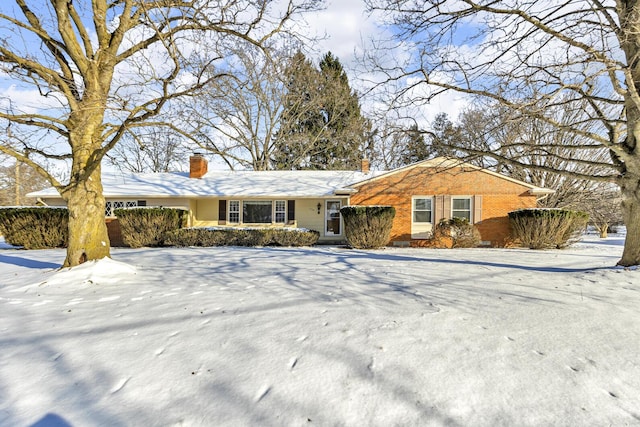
(222,212)
(291,210)
(438,209)
(477,208)
(446,207)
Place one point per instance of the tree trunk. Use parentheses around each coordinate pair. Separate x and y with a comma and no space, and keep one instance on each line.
(631,213)
(88,238)
(604,230)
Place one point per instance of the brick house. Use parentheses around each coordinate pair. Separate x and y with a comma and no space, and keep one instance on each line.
(428,191)
(422,193)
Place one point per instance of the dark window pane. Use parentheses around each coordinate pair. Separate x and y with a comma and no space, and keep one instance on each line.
(256,212)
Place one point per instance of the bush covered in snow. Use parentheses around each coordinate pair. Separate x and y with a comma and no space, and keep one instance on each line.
(367,227)
(547,228)
(456,233)
(242,237)
(148,226)
(35,227)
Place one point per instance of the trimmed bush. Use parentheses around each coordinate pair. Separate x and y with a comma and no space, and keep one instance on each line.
(294,237)
(241,237)
(36,227)
(367,227)
(196,237)
(547,228)
(456,233)
(148,226)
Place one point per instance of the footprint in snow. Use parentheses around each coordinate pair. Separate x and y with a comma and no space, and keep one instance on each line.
(264,390)
(509,338)
(120,385)
(106,299)
(159,351)
(303,338)
(173,334)
(293,362)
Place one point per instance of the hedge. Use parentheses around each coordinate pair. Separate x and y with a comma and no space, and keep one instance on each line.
(148,226)
(367,227)
(35,227)
(211,236)
(547,228)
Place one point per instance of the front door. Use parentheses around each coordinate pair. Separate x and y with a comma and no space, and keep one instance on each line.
(333,219)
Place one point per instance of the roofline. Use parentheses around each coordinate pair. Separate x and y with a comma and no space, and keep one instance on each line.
(449,162)
(337,193)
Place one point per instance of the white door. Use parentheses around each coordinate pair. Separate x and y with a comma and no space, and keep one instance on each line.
(333,218)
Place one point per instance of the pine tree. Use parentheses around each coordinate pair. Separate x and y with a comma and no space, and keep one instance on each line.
(416,148)
(322,126)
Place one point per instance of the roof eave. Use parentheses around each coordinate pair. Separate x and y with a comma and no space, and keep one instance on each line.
(540,191)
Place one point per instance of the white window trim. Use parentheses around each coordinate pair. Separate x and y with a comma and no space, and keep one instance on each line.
(470,199)
(239,212)
(283,212)
(413,208)
(422,230)
(111,205)
(274,210)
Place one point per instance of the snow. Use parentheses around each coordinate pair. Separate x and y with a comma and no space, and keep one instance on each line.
(224,183)
(321,336)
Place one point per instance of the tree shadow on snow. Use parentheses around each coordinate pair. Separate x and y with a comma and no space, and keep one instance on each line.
(25,262)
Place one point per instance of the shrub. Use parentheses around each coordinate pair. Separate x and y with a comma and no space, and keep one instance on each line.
(196,237)
(35,227)
(294,237)
(242,237)
(456,233)
(547,228)
(367,227)
(148,226)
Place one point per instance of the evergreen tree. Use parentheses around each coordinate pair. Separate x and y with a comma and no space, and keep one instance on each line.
(416,148)
(322,126)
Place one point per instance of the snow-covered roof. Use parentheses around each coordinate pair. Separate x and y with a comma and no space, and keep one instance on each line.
(227,183)
(268,184)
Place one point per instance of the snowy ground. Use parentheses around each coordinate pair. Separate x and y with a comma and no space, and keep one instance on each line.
(321,336)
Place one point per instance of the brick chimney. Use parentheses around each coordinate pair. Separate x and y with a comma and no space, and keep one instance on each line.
(364,166)
(197,166)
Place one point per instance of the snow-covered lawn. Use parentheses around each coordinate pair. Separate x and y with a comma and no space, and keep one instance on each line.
(321,336)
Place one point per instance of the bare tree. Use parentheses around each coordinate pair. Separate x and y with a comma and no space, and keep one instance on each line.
(533,56)
(237,117)
(100,69)
(153,149)
(16,181)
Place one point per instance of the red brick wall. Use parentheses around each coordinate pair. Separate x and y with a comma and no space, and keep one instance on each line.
(115,234)
(499,197)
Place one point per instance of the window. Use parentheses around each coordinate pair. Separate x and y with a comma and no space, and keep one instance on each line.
(281,211)
(461,208)
(112,205)
(256,211)
(422,210)
(234,211)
